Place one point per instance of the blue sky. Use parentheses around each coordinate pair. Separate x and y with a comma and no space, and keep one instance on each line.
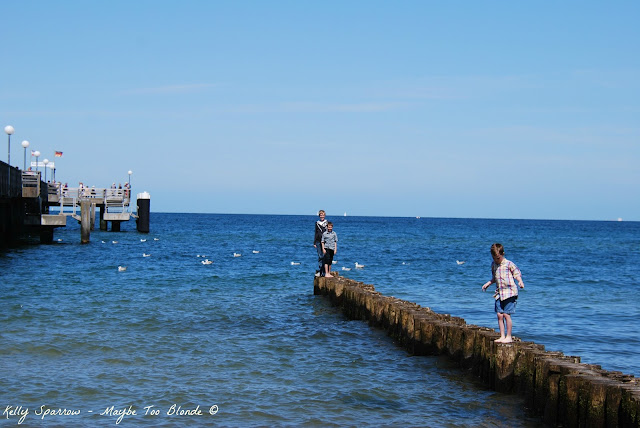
(494,109)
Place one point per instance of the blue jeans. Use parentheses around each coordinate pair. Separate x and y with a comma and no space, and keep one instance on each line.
(320,255)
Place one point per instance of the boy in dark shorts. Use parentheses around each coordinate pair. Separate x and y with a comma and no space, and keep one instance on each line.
(505,274)
(329,248)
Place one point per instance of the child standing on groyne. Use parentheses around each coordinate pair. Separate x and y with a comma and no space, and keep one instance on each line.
(505,274)
(329,248)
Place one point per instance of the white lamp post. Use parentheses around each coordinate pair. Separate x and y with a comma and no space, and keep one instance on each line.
(45,162)
(9,130)
(25,144)
(129,186)
(37,155)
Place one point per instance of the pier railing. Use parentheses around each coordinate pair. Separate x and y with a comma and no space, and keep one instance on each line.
(68,198)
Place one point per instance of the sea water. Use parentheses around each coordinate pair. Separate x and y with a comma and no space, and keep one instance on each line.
(244,342)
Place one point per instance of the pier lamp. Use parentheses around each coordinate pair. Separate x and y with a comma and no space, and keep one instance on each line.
(129,186)
(45,162)
(25,144)
(9,130)
(37,155)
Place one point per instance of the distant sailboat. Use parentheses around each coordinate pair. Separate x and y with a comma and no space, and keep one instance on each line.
(345,214)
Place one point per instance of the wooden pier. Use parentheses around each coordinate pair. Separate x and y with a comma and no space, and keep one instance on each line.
(29,206)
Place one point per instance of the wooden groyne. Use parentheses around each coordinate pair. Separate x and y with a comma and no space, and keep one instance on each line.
(563,391)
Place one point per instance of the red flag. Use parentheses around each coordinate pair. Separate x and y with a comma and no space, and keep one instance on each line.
(58,154)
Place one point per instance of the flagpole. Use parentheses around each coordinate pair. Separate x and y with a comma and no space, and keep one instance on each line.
(56,154)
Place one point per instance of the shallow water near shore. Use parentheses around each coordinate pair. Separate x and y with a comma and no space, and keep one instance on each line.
(245,339)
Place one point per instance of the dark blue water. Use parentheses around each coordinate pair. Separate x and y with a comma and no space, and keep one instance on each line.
(244,338)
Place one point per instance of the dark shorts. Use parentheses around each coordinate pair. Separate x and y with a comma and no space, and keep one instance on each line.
(328,257)
(507,306)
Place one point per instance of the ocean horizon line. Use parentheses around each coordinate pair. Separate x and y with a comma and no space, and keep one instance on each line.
(614,220)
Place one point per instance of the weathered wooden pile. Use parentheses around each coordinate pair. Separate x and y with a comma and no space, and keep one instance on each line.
(562,390)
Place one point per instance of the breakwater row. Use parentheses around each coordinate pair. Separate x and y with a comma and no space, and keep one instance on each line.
(561,389)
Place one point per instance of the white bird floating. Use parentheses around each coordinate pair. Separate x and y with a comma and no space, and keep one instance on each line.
(206,262)
(156,239)
(103,242)
(345,268)
(146,255)
(359,266)
(460,262)
(333,262)
(405,263)
(237,254)
(295,263)
(114,242)
(122,268)
(59,239)
(255,251)
(143,240)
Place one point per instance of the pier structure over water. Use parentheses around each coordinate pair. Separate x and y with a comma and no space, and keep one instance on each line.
(30,206)
(561,389)
(114,204)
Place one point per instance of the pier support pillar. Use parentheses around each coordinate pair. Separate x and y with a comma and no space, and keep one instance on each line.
(144,203)
(46,235)
(115,226)
(85,224)
(92,216)
(103,222)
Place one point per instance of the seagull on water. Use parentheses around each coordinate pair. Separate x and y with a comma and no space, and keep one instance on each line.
(255,251)
(345,268)
(237,254)
(206,262)
(295,263)
(145,255)
(359,266)
(114,242)
(122,268)
(460,262)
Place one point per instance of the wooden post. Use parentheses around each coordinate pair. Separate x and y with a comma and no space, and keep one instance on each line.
(103,222)
(85,226)
(92,216)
